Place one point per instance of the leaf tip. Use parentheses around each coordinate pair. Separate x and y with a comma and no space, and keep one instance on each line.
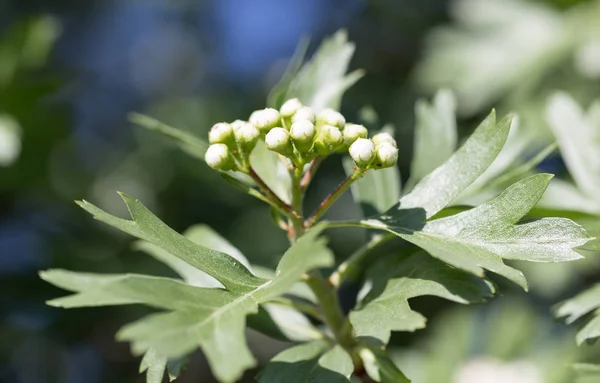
(54,303)
(43,274)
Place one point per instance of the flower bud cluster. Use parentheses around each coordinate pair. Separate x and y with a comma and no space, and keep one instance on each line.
(378,152)
(295,131)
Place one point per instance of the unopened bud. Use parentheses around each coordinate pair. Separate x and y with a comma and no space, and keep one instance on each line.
(246,136)
(329,116)
(329,138)
(218,157)
(290,107)
(303,135)
(382,137)
(304,113)
(353,132)
(237,124)
(265,119)
(386,155)
(362,152)
(278,140)
(221,133)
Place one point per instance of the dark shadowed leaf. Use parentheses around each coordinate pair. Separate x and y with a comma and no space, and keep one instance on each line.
(316,362)
(386,308)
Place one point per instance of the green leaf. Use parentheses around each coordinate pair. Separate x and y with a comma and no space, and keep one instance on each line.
(189,143)
(202,235)
(377,190)
(435,134)
(379,366)
(277,96)
(154,365)
(482,237)
(309,362)
(322,81)
(211,318)
(580,305)
(272,171)
(441,186)
(274,320)
(145,225)
(393,286)
(576,133)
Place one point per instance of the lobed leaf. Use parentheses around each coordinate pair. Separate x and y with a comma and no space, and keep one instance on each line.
(145,225)
(386,308)
(204,236)
(482,237)
(213,319)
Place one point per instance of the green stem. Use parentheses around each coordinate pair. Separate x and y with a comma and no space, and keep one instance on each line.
(352,268)
(334,317)
(297,221)
(333,196)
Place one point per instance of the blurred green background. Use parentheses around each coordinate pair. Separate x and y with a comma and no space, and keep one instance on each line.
(71,71)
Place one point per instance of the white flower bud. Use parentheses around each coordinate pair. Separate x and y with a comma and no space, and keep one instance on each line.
(246,136)
(221,133)
(382,137)
(218,157)
(329,138)
(329,116)
(237,124)
(303,134)
(290,107)
(386,155)
(362,152)
(353,132)
(265,119)
(304,113)
(278,140)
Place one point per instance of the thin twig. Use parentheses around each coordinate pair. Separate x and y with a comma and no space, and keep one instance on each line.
(332,197)
(267,190)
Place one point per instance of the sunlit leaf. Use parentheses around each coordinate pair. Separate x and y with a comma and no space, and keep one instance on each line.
(441,186)
(322,81)
(210,318)
(482,237)
(435,134)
